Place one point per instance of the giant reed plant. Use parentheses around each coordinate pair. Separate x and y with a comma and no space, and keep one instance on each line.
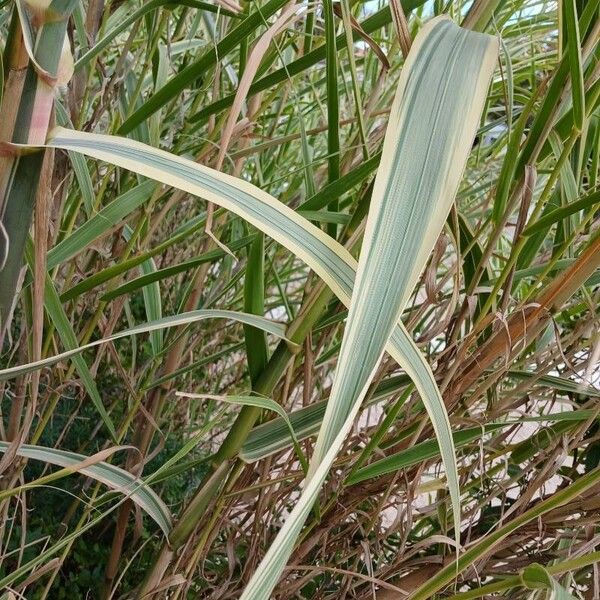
(401,213)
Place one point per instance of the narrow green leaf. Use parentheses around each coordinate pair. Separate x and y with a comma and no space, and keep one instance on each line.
(341,185)
(333,107)
(207,360)
(416,454)
(561,384)
(170,271)
(95,227)
(575,62)
(63,326)
(254,303)
(152,298)
(506,179)
(558,214)
(325,216)
(430,448)
(379,434)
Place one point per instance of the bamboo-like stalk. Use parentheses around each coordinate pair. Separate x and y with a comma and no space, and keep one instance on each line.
(333,107)
(25,114)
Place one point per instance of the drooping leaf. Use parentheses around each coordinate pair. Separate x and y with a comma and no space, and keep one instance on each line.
(536,577)
(115,478)
(331,261)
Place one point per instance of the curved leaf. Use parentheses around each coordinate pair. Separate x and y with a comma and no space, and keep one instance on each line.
(115,478)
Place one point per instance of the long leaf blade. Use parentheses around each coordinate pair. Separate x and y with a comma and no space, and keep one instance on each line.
(427,143)
(110,475)
(331,261)
(262,323)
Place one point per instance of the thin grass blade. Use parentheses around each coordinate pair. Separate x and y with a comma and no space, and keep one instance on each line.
(272,327)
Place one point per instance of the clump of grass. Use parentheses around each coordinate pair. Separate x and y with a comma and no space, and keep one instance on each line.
(164,286)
